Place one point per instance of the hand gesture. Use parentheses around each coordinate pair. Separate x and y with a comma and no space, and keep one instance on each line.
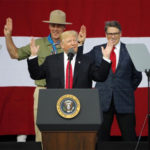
(107,51)
(33,48)
(8,27)
(82,34)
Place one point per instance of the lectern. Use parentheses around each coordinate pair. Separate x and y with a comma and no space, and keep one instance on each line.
(69,119)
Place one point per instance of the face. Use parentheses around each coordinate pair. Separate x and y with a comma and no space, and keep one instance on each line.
(56,30)
(69,42)
(113,34)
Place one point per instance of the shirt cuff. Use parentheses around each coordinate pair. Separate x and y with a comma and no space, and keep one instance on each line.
(106,59)
(32,57)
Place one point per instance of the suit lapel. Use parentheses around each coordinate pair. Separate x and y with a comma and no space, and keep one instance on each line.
(121,56)
(76,69)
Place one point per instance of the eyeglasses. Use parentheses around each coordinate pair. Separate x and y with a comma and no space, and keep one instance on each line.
(111,34)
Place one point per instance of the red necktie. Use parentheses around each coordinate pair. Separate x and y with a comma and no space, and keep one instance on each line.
(113,60)
(69,76)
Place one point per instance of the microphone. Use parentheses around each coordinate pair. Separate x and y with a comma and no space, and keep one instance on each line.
(70,54)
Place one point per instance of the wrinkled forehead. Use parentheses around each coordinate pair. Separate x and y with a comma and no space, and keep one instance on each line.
(56,25)
(113,29)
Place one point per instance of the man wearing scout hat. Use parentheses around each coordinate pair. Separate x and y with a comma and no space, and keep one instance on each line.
(47,46)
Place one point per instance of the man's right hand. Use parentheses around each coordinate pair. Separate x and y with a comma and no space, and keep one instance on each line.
(33,47)
(8,27)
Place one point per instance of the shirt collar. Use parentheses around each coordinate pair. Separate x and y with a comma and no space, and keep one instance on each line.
(66,57)
(118,45)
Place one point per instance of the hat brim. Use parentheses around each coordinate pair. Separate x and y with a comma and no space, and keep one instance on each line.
(57,22)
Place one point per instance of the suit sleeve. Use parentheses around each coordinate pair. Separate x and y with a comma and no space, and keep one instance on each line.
(100,72)
(80,50)
(91,54)
(36,72)
(96,54)
(136,78)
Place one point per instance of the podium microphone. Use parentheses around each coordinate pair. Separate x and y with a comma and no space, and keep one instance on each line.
(70,54)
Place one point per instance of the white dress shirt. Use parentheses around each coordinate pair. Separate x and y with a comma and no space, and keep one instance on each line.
(65,65)
(117,52)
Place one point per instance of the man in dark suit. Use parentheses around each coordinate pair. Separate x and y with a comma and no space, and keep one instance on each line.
(117,92)
(54,67)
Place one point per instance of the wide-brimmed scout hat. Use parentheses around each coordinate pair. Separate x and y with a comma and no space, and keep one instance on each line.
(57,17)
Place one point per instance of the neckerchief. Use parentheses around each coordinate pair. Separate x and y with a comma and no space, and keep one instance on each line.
(53,44)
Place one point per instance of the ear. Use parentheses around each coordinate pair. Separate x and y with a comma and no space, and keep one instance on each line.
(120,33)
(62,45)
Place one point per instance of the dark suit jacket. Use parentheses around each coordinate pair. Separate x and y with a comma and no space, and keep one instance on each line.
(53,71)
(120,85)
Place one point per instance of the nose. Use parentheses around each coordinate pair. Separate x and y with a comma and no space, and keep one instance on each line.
(113,36)
(73,42)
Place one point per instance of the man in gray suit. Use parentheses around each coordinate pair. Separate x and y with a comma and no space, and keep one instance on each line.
(117,92)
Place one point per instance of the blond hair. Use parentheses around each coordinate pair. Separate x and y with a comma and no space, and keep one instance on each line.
(65,34)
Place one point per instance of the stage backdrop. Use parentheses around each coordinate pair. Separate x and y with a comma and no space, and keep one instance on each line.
(16,87)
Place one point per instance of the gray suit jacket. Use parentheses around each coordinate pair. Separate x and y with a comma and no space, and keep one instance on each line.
(120,85)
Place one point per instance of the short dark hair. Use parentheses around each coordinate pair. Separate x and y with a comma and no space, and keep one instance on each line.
(115,24)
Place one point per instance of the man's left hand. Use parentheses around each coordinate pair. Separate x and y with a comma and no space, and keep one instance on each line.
(107,51)
(82,35)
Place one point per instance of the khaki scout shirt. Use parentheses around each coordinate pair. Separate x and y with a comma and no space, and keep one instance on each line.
(44,51)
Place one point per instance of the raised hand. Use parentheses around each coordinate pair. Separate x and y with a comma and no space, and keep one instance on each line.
(82,35)
(34,49)
(107,51)
(8,27)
